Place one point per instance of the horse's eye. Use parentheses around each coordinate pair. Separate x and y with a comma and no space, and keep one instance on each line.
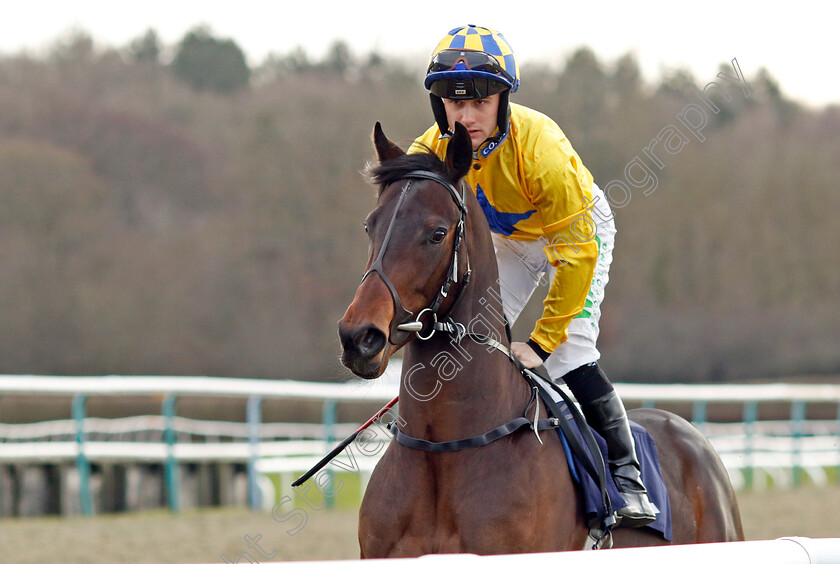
(438,236)
(365,225)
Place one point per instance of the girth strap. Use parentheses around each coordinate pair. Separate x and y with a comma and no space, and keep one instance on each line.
(472,442)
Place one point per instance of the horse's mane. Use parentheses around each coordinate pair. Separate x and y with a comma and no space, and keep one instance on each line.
(395,169)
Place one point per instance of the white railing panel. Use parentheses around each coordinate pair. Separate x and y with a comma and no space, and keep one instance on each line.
(792,550)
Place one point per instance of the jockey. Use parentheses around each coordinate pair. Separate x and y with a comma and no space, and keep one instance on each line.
(551,226)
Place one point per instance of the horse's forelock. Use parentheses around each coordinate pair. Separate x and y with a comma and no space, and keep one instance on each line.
(392,170)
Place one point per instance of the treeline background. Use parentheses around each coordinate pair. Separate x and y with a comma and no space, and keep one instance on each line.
(169,210)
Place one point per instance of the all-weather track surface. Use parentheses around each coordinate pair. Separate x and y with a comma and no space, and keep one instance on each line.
(204,536)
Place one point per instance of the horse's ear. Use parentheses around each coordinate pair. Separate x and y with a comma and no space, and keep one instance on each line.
(459,153)
(385,149)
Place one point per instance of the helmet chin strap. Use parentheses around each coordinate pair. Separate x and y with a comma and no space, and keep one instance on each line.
(502,120)
(439,111)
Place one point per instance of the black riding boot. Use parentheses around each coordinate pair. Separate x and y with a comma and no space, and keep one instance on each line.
(607,416)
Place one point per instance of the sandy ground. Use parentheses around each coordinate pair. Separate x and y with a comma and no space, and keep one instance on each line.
(220,534)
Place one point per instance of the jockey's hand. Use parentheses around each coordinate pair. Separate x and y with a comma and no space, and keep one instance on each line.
(525,354)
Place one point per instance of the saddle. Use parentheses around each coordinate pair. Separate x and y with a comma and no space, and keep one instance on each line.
(600,494)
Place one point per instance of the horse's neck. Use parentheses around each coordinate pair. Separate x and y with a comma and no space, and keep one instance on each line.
(453,389)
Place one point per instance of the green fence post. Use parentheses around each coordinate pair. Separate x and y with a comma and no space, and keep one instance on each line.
(797,417)
(750,416)
(171,466)
(328,418)
(698,414)
(254,416)
(837,468)
(82,462)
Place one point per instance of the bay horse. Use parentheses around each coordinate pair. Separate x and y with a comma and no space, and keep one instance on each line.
(431,252)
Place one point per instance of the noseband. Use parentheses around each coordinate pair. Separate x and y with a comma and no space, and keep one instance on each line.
(401,326)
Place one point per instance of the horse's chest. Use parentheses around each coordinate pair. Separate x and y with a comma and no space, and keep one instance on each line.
(469,525)
(476,511)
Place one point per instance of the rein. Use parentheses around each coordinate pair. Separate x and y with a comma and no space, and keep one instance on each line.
(400,322)
(404,323)
(458,332)
(587,452)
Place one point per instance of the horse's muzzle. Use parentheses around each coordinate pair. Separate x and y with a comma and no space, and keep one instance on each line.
(362,348)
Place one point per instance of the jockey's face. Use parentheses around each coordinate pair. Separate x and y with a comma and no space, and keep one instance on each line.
(479,116)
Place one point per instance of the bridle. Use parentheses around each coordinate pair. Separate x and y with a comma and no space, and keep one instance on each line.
(402,326)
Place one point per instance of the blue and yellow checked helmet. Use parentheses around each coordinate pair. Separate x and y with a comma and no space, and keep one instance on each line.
(472,62)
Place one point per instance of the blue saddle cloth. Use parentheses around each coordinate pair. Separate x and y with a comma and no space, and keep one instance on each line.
(651,476)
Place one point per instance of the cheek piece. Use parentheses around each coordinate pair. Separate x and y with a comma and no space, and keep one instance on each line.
(401,328)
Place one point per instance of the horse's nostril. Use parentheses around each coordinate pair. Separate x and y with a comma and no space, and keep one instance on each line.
(370,342)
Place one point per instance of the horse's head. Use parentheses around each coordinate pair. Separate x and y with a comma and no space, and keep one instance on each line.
(417,257)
